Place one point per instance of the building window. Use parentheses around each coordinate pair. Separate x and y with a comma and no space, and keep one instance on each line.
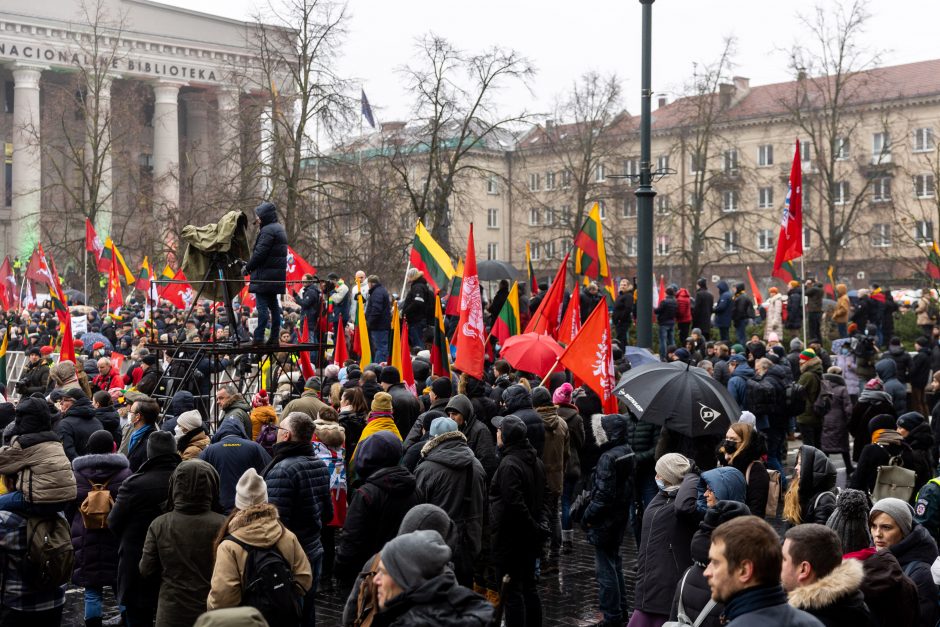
(549,218)
(924,186)
(536,251)
(599,176)
(923,231)
(534,216)
(765,155)
(492,184)
(881,235)
(492,250)
(881,189)
(729,201)
(731,242)
(535,182)
(662,245)
(807,238)
(630,243)
(765,197)
(492,218)
(842,148)
(8,175)
(923,139)
(631,167)
(730,160)
(629,206)
(880,148)
(806,151)
(840,192)
(565,179)
(8,96)
(565,214)
(662,204)
(696,164)
(602,208)
(662,163)
(549,249)
(549,180)
(765,240)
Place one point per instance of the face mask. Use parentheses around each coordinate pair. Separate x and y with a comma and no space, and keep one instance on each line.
(660,483)
(730,446)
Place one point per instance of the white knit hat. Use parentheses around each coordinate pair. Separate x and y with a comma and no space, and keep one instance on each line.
(189,420)
(250,490)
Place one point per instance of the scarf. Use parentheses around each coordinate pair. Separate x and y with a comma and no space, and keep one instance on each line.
(379,414)
(285,450)
(137,436)
(753,599)
(886,436)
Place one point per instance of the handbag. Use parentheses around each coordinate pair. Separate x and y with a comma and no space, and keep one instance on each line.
(894,480)
(683,618)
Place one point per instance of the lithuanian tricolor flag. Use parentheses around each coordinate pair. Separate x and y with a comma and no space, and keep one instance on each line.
(590,255)
(533,280)
(453,296)
(440,350)
(428,256)
(106,256)
(143,277)
(3,355)
(787,272)
(933,262)
(167,275)
(508,322)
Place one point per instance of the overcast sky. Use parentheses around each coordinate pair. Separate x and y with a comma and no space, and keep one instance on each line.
(566,39)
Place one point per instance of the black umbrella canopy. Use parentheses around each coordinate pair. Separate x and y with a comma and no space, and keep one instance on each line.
(680,397)
(493,270)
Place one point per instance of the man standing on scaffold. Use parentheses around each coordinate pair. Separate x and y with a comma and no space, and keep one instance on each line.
(268,271)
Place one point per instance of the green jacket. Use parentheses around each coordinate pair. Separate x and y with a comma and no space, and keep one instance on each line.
(811,379)
(927,507)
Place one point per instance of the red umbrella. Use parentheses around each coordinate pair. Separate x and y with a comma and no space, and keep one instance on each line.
(531,352)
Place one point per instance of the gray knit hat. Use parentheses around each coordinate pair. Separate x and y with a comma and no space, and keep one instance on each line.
(428,516)
(414,558)
(672,467)
(900,511)
(160,443)
(250,490)
(850,520)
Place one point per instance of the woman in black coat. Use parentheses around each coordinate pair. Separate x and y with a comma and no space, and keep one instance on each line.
(267,268)
(872,402)
(888,444)
(744,448)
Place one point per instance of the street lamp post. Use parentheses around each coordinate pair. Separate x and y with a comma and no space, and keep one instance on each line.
(645,193)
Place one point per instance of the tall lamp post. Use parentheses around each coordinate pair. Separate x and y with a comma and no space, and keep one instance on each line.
(645,193)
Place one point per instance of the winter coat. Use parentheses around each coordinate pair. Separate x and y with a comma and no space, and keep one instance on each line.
(308,403)
(921,441)
(137,455)
(817,479)
(555,454)
(919,374)
(257,526)
(261,416)
(902,362)
(737,384)
(268,261)
(887,372)
(666,311)
(352,424)
(34,379)
(140,500)
(516,498)
(722,308)
(485,408)
(149,380)
(814,298)
(450,477)
(890,596)
(110,421)
(683,307)
(795,308)
(664,554)
(231,454)
(569,413)
(774,307)
(96,550)
(587,302)
(916,553)
(608,512)
(180,544)
(742,308)
(419,301)
(811,379)
(105,382)
(840,314)
(702,310)
(749,462)
(379,309)
(623,308)
(43,472)
(870,403)
(76,426)
(875,455)
(438,601)
(299,487)
(405,407)
(374,515)
(835,428)
(519,402)
(239,408)
(195,445)
(762,606)
(836,599)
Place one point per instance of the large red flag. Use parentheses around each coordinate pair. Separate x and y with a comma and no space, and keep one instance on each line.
(7,284)
(115,297)
(589,357)
(297,267)
(93,244)
(407,371)
(306,368)
(546,317)
(571,321)
(790,240)
(758,299)
(67,351)
(340,350)
(470,336)
(178,293)
(662,289)
(246,298)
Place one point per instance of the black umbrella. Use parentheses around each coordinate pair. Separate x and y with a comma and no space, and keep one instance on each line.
(491,270)
(680,397)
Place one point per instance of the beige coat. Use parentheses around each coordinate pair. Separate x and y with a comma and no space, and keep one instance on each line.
(258,526)
(195,446)
(44,472)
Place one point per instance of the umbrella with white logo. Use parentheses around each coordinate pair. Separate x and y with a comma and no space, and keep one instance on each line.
(678,396)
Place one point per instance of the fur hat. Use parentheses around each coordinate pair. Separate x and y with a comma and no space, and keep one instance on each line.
(382,401)
(850,520)
(250,490)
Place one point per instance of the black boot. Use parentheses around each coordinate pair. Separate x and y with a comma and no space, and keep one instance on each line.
(93,622)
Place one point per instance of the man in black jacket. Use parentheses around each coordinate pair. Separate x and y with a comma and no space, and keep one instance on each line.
(378,319)
(405,405)
(517,493)
(666,319)
(35,376)
(268,269)
(143,416)
(311,303)
(702,308)
(623,312)
(417,307)
(78,422)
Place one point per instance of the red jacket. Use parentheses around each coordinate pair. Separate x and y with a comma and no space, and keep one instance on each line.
(108,381)
(684,312)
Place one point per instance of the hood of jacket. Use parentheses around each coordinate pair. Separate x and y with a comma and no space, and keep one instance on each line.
(473,387)
(722,512)
(837,379)
(782,372)
(258,525)
(550,417)
(449,449)
(609,430)
(920,437)
(723,287)
(516,397)
(239,403)
(886,369)
(896,351)
(844,580)
(81,409)
(743,370)
(395,480)
(875,396)
(917,546)
(267,212)
(230,426)
(182,401)
(683,294)
(461,403)
(841,289)
(726,482)
(812,365)
(330,433)
(817,473)
(107,413)
(194,487)
(108,463)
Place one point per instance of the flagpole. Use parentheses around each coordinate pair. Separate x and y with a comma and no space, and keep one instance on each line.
(803,299)
(85,273)
(550,371)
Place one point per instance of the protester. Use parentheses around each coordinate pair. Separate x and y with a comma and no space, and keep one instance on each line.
(460,409)
(744,449)
(143,417)
(835,424)
(233,405)
(886,444)
(107,415)
(231,453)
(405,406)
(267,268)
(77,423)
(809,497)
(191,437)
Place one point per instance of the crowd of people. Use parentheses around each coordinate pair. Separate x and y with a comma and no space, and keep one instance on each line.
(446,504)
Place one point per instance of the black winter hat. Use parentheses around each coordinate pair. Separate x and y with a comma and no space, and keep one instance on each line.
(100,442)
(442,387)
(150,360)
(390,375)
(882,421)
(722,512)
(160,443)
(911,420)
(541,397)
(512,427)
(380,450)
(32,416)
(850,520)
(428,417)
(7,414)
(701,282)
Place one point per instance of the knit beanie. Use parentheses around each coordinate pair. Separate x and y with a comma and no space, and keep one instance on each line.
(881,422)
(562,394)
(796,344)
(250,490)
(260,399)
(738,349)
(390,375)
(874,384)
(100,442)
(428,516)
(899,511)
(442,425)
(911,420)
(807,354)
(32,416)
(541,397)
(382,401)
(414,558)
(672,467)
(160,443)
(850,520)
(189,420)
(442,387)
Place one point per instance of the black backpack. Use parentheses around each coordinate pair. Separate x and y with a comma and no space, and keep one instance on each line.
(47,563)
(268,585)
(795,399)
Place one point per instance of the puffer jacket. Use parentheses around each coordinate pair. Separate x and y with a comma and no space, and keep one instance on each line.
(916,553)
(418,303)
(840,315)
(44,473)
(683,307)
(438,601)
(261,416)
(795,308)
(268,260)
(516,500)
(555,455)
(666,310)
(192,444)
(76,426)
(887,372)
(608,512)
(817,479)
(179,544)
(518,401)
(642,438)
(452,478)
(478,436)
(811,379)
(726,483)
(722,307)
(96,550)
(257,526)
(902,362)
(569,413)
(835,428)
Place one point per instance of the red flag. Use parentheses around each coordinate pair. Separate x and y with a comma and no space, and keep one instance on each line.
(340,350)
(758,299)
(662,288)
(246,298)
(115,297)
(790,240)
(571,322)
(545,319)
(297,267)
(469,337)
(68,342)
(589,357)
(407,372)
(180,292)
(93,243)
(7,284)
(117,359)
(306,368)
(38,268)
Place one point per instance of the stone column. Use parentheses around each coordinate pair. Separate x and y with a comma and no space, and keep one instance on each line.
(27,160)
(98,142)
(166,151)
(228,132)
(197,140)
